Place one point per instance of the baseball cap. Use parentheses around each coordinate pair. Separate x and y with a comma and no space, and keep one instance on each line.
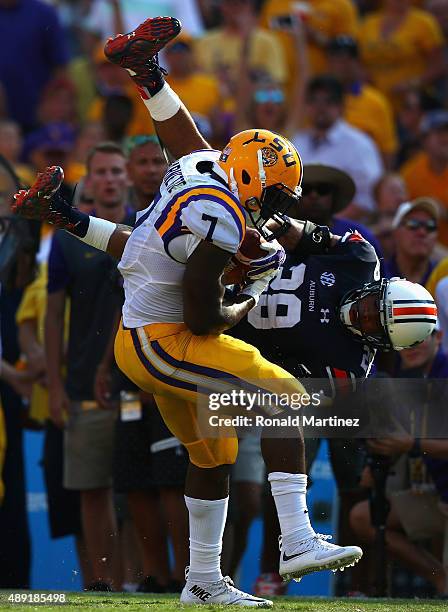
(138,140)
(51,137)
(424,203)
(344,187)
(434,120)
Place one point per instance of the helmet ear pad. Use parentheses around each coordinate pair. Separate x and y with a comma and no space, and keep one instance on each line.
(245,177)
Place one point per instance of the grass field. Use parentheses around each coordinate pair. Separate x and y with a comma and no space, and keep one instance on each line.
(156,603)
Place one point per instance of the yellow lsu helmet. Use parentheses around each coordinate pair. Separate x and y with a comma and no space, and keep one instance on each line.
(265,173)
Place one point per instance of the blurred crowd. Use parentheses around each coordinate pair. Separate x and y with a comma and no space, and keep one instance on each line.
(361,89)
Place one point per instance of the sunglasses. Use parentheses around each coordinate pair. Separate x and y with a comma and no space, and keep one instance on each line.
(415,224)
(262,96)
(321,189)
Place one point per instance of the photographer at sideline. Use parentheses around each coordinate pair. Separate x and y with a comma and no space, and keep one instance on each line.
(417,487)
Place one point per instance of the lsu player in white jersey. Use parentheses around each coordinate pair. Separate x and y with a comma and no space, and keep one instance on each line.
(171,341)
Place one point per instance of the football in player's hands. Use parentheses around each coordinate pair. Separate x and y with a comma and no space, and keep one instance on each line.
(236,270)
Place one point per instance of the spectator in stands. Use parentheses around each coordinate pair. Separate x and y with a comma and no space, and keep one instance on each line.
(322,21)
(219,51)
(187,80)
(117,117)
(440,293)
(389,192)
(58,102)
(419,509)
(146,168)
(415,234)
(326,193)
(20,381)
(415,103)
(112,80)
(88,136)
(332,141)
(50,145)
(11,143)
(427,173)
(401,48)
(64,514)
(439,10)
(365,107)
(265,102)
(91,280)
(31,33)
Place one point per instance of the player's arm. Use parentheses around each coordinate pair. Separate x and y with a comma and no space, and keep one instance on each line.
(217,227)
(305,237)
(99,233)
(179,134)
(203,292)
(117,241)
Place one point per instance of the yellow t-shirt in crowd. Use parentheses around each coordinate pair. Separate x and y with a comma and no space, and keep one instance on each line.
(369,110)
(199,92)
(219,49)
(329,17)
(403,54)
(74,171)
(33,307)
(421,180)
(439,272)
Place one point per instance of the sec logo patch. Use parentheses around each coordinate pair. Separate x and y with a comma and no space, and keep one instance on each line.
(327,279)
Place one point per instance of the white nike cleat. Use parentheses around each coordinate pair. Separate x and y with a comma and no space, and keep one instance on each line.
(314,555)
(221,592)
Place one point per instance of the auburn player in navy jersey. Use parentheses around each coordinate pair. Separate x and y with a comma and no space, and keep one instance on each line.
(297,321)
(172,343)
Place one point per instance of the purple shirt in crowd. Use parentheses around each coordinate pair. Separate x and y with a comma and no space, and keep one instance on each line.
(33,45)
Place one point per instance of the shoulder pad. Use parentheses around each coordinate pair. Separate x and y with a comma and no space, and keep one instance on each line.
(216,216)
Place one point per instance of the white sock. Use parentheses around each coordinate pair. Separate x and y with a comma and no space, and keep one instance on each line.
(207,522)
(164,104)
(289,491)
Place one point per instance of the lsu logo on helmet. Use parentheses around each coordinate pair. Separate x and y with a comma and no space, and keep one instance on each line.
(265,173)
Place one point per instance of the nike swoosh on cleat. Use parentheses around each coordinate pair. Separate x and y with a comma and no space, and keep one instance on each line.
(289,557)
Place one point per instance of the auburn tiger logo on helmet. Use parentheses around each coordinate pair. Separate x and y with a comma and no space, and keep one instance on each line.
(265,173)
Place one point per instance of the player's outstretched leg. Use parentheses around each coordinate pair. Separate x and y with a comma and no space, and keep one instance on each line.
(205,583)
(136,52)
(302,550)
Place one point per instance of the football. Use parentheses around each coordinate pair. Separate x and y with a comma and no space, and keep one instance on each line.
(236,270)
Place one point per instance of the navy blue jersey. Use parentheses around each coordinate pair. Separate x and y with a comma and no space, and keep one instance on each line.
(296,321)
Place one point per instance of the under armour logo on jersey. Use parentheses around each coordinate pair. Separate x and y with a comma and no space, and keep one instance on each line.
(200,593)
(327,279)
(325,312)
